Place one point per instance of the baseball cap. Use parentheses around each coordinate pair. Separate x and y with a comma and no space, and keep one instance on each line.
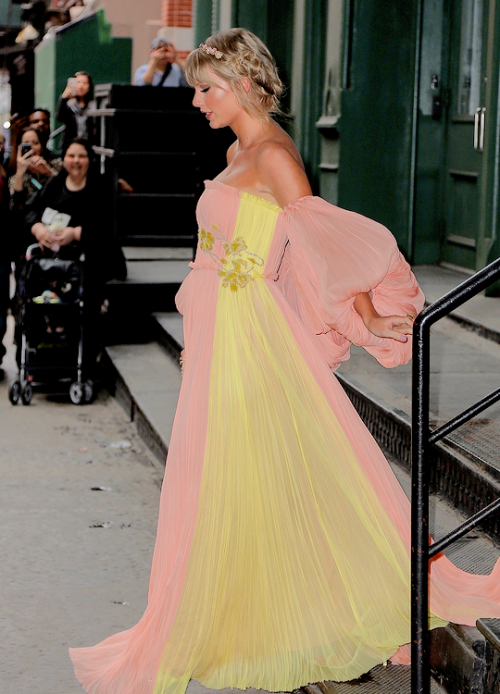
(159,41)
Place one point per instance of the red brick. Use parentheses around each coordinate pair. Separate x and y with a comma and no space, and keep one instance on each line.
(177,13)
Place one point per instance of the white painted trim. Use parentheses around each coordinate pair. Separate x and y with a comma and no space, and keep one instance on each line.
(225,15)
(181,37)
(296,85)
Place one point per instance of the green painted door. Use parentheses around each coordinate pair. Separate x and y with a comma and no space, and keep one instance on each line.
(376,168)
(467,120)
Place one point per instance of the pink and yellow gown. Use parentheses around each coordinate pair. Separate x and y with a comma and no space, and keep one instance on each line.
(282,553)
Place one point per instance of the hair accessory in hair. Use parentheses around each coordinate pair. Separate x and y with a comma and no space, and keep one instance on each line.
(211,50)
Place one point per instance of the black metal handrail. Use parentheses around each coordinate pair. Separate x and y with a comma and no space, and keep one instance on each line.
(422,438)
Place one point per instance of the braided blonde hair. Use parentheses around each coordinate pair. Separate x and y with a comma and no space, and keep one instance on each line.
(243,55)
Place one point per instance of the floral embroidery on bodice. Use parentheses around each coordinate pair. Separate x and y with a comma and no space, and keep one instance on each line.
(238,236)
(237,264)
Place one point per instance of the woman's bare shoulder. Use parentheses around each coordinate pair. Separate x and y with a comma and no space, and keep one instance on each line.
(281,170)
(279,145)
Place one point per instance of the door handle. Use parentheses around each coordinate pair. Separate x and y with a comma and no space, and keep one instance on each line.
(479,122)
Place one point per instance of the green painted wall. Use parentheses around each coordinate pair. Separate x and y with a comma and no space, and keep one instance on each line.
(313,83)
(431,135)
(429,213)
(85,45)
(45,76)
(203,20)
(376,125)
(492,151)
(272,21)
(255,15)
(15,14)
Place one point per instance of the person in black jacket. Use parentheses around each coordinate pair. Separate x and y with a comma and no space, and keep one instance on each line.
(82,193)
(73,107)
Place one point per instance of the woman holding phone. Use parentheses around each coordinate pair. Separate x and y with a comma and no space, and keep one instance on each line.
(33,170)
(73,107)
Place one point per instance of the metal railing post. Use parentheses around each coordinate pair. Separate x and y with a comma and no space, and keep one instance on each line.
(420,672)
(420,445)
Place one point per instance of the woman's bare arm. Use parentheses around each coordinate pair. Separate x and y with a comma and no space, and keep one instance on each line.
(394,327)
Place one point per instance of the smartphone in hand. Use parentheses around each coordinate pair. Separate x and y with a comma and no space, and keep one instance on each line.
(25,148)
(72,85)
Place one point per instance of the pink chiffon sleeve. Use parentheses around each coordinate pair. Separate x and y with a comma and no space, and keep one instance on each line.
(334,255)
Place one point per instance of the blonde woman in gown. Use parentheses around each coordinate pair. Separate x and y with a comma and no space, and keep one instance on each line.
(282,553)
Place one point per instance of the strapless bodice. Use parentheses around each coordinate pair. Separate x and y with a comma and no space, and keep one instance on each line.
(237,235)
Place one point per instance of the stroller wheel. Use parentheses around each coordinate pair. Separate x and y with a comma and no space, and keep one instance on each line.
(26,392)
(88,391)
(15,392)
(76,393)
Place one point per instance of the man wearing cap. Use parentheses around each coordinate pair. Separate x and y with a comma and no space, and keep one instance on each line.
(162,70)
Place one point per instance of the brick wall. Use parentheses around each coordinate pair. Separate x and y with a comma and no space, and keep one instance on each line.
(177,19)
(177,13)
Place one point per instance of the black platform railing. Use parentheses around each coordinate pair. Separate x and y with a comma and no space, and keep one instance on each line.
(422,439)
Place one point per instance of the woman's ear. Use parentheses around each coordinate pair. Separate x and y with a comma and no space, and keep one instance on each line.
(246,84)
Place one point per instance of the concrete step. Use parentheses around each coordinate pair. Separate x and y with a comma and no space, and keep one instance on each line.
(480,315)
(491,630)
(393,679)
(155,253)
(146,381)
(152,282)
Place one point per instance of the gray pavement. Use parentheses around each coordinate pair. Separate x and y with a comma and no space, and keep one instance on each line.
(157,272)
(75,562)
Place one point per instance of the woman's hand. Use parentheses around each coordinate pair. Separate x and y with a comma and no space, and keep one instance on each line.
(392,327)
(68,92)
(67,236)
(181,360)
(38,165)
(23,161)
(47,238)
(44,237)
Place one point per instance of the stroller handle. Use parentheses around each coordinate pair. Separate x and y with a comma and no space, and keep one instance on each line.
(34,251)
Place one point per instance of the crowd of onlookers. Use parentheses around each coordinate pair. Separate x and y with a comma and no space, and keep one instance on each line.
(35,175)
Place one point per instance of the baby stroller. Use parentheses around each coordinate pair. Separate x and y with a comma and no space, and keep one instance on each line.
(49,324)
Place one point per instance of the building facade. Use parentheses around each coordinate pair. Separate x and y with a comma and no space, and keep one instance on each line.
(395,110)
